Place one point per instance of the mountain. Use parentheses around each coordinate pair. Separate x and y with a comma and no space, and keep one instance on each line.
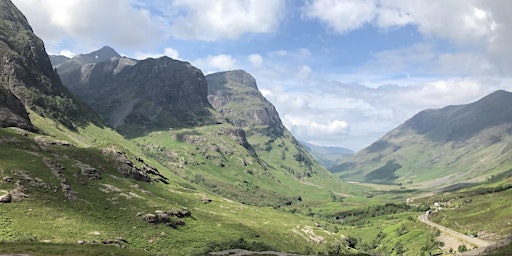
(440,147)
(64,64)
(327,156)
(235,95)
(139,96)
(56,60)
(28,78)
(77,187)
(163,105)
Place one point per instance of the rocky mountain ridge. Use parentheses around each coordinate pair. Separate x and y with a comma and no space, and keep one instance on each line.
(139,96)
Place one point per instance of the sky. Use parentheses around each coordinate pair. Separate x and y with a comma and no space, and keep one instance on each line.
(339,72)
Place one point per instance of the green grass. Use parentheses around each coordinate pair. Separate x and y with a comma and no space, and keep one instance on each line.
(469,212)
(46,215)
(285,196)
(51,249)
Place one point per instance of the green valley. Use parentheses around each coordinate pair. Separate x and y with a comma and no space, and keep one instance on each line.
(102,154)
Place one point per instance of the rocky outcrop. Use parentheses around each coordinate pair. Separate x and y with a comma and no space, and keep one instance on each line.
(127,167)
(172,218)
(6,198)
(88,171)
(58,171)
(12,111)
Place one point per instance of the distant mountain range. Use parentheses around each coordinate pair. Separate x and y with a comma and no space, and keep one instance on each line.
(440,147)
(328,157)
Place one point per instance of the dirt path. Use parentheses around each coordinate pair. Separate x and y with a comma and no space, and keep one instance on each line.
(469,240)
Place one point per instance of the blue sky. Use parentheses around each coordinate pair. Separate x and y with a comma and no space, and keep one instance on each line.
(340,72)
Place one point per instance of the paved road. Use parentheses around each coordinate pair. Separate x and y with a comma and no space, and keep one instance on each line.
(470,240)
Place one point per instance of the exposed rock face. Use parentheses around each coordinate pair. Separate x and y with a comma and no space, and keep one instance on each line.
(58,171)
(26,72)
(128,168)
(12,111)
(139,96)
(236,96)
(172,218)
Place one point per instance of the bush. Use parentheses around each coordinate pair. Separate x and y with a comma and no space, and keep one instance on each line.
(462,248)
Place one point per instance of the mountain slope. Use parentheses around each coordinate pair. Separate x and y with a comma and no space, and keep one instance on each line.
(27,73)
(440,147)
(235,95)
(327,156)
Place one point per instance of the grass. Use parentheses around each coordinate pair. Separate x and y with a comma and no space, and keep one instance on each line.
(47,249)
(430,165)
(289,201)
(467,211)
(107,215)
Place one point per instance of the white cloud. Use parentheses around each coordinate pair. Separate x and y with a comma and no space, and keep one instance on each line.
(266,93)
(341,16)
(255,59)
(439,93)
(305,72)
(460,21)
(304,127)
(225,19)
(172,53)
(67,53)
(216,63)
(113,22)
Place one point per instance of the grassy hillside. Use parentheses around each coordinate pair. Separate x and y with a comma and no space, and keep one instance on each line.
(111,209)
(413,160)
(213,157)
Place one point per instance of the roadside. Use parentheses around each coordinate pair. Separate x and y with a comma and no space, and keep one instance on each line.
(467,240)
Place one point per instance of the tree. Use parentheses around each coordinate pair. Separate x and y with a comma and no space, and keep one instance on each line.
(462,248)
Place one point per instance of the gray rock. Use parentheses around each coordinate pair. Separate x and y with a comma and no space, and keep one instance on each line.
(7,198)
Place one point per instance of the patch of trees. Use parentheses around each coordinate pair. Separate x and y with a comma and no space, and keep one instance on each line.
(355,216)
(483,191)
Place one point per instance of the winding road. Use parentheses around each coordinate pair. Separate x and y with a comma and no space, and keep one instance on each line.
(470,240)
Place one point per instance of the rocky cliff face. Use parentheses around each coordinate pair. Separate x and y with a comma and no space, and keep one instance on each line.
(139,96)
(27,74)
(12,111)
(235,95)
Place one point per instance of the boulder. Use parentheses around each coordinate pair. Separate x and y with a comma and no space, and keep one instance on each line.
(7,198)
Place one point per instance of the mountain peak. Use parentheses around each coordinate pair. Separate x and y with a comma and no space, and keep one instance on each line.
(103,54)
(239,77)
